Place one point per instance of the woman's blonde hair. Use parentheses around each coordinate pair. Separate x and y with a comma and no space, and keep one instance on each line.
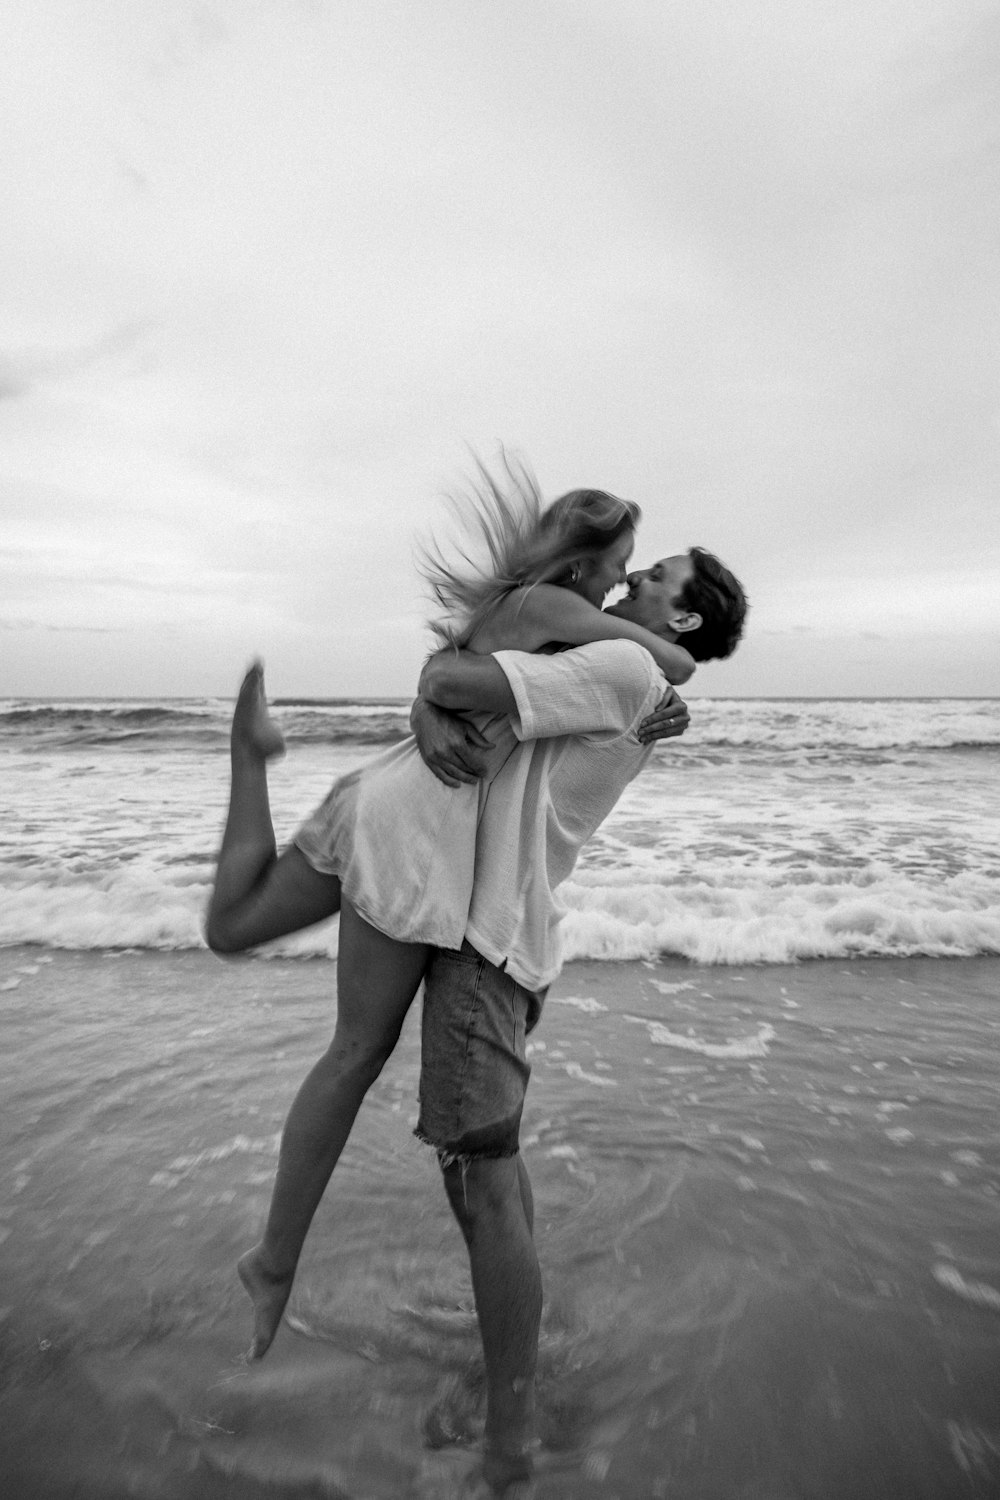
(525,542)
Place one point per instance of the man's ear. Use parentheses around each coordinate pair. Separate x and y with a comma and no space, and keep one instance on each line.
(683,623)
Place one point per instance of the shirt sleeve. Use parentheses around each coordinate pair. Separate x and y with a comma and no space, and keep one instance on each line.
(603,688)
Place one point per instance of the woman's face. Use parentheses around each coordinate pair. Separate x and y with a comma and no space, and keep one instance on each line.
(605,571)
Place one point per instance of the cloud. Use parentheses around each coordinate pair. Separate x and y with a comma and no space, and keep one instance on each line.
(738,263)
(47,625)
(25,370)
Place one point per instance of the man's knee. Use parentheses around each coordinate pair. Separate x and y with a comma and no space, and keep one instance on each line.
(483,1190)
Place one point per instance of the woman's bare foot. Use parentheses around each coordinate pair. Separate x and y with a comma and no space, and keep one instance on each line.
(268,1293)
(254,731)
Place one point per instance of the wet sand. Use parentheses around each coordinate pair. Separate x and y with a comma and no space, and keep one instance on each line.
(768,1203)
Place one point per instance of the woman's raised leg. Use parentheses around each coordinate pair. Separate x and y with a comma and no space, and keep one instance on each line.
(377,979)
(259,896)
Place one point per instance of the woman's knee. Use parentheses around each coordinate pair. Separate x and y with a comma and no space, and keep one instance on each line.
(222,937)
(364,1055)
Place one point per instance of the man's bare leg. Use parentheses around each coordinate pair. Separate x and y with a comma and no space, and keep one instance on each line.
(491,1199)
(377,979)
(527,1196)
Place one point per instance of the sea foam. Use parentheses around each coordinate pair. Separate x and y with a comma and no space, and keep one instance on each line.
(756,921)
(773,832)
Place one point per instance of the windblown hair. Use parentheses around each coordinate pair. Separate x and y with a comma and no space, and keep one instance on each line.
(718,596)
(525,543)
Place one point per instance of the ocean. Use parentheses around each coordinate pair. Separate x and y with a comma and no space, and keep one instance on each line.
(773,831)
(761,1129)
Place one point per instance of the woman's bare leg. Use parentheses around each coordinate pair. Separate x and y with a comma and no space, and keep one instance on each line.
(377,979)
(259,896)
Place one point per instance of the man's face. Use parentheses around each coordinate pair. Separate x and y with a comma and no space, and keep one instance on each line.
(653,597)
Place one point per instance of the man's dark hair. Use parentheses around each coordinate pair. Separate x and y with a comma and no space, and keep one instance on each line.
(717,595)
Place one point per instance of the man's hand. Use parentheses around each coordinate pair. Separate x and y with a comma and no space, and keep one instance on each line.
(451,748)
(668,719)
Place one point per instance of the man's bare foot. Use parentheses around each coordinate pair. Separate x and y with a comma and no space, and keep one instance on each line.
(254,730)
(507,1474)
(268,1293)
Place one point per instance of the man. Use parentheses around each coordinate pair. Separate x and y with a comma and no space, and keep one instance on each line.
(586,720)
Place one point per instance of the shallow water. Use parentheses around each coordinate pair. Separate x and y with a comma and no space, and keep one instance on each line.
(767,1211)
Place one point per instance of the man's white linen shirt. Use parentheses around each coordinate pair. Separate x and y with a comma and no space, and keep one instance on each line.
(577,718)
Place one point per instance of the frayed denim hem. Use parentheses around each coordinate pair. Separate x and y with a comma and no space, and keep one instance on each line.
(464,1159)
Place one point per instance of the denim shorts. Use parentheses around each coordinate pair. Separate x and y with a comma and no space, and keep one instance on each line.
(473,1067)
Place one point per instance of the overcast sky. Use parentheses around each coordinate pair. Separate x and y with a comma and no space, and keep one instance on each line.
(268,267)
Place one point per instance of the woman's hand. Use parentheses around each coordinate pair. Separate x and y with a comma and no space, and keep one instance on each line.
(669,719)
(451,748)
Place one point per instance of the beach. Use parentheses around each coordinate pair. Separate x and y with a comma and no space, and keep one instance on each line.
(767,1208)
(761,1129)
(337,337)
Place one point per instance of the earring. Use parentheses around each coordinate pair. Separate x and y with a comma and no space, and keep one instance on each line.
(574,573)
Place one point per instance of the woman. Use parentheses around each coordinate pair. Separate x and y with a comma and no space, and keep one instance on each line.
(392,848)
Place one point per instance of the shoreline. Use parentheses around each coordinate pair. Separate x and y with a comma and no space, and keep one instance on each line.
(32,948)
(192,991)
(217,987)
